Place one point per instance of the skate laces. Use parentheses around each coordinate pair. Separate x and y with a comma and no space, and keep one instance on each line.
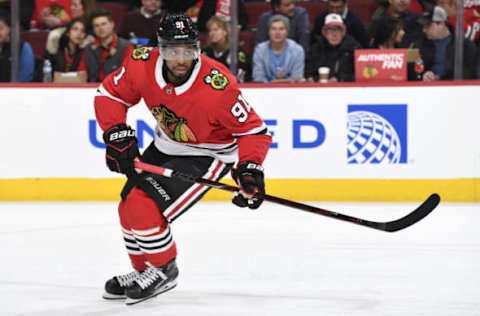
(126,280)
(149,276)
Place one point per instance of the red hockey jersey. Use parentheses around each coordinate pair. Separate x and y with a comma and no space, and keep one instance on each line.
(471,23)
(207,115)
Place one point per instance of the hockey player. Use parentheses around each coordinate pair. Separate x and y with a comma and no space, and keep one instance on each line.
(204,127)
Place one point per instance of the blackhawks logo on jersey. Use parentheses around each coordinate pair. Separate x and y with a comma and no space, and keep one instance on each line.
(175,127)
(142,53)
(216,79)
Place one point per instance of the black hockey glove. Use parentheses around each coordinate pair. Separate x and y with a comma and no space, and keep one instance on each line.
(249,177)
(122,149)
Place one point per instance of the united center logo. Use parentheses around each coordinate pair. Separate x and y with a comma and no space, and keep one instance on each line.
(377,134)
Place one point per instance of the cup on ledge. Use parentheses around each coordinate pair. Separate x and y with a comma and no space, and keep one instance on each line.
(323,74)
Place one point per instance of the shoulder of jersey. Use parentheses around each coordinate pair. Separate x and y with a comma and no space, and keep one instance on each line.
(216,75)
(144,54)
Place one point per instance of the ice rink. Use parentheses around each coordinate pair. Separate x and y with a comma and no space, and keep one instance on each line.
(276,261)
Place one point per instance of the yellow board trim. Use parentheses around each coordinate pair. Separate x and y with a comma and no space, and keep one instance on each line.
(411,190)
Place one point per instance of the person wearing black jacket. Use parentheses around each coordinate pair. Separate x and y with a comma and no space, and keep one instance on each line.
(353,23)
(413,31)
(205,11)
(438,48)
(335,50)
(218,48)
(70,55)
(26,11)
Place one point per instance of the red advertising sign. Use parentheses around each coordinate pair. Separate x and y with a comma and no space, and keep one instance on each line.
(380,65)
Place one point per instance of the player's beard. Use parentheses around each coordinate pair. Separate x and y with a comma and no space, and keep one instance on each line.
(178,79)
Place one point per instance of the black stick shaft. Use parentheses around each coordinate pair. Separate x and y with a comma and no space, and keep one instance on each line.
(423,210)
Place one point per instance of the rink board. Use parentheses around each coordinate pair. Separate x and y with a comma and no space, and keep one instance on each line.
(349,143)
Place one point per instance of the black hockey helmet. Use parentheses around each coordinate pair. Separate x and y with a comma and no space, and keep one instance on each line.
(177,29)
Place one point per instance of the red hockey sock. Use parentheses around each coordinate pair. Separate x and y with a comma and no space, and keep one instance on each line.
(136,255)
(150,228)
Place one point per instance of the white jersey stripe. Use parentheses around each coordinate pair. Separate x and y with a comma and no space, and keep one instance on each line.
(154,237)
(101,91)
(181,199)
(253,131)
(146,232)
(222,152)
(194,191)
(134,252)
(127,232)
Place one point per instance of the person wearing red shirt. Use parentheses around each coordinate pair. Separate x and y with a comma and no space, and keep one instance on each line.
(471,23)
(49,14)
(204,127)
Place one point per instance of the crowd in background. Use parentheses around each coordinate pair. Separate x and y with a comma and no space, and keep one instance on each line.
(85,44)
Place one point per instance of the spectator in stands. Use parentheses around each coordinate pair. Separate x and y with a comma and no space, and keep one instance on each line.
(49,14)
(279,59)
(353,23)
(298,19)
(471,18)
(105,54)
(334,50)
(413,31)
(80,9)
(26,11)
(438,48)
(141,25)
(70,55)
(26,58)
(218,48)
(425,5)
(200,11)
(389,33)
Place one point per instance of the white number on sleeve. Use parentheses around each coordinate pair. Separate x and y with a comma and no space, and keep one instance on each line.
(240,109)
(117,78)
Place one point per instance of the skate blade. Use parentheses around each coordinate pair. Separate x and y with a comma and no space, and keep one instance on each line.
(109,296)
(160,290)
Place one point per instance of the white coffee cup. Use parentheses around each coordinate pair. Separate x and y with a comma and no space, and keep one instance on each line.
(323,74)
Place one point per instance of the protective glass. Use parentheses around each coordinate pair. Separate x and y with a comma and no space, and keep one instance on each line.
(176,52)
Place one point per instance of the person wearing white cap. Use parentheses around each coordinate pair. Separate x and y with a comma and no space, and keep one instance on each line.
(353,22)
(335,50)
(438,48)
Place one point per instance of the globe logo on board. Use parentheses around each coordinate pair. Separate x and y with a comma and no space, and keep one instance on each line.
(371,139)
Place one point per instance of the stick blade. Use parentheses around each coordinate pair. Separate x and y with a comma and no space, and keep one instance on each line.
(417,215)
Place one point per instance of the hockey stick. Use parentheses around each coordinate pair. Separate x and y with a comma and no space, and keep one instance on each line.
(419,213)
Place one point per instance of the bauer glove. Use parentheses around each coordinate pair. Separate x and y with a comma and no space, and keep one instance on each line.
(249,177)
(122,149)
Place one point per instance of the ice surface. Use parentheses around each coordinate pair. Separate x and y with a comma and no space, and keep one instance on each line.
(276,261)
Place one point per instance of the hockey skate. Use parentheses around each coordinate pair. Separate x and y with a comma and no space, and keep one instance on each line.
(116,286)
(151,282)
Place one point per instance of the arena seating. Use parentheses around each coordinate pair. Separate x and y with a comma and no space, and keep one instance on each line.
(254,11)
(37,40)
(363,8)
(313,8)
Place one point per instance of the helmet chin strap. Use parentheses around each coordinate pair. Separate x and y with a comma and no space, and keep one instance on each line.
(180,79)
